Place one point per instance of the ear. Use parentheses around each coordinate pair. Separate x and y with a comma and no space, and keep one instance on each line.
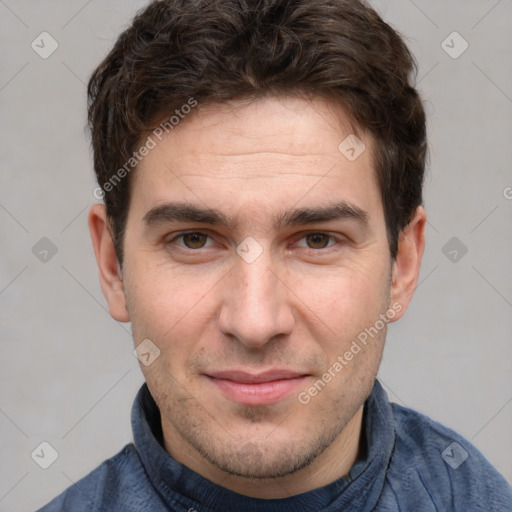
(406,267)
(111,278)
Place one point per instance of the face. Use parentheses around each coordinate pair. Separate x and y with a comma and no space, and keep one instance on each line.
(256,256)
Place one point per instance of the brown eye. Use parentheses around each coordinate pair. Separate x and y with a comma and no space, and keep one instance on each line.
(317,240)
(194,240)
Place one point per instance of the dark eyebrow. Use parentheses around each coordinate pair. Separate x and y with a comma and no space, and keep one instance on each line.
(175,212)
(338,211)
(185,212)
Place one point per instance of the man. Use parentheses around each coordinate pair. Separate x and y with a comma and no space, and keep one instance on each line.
(261,164)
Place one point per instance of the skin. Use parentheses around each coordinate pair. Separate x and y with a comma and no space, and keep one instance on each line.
(298,306)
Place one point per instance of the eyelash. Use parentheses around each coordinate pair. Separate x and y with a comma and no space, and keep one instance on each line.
(309,233)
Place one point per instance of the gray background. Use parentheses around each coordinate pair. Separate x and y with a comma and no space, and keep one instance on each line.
(68,375)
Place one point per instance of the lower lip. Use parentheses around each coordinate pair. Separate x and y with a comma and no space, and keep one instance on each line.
(263,393)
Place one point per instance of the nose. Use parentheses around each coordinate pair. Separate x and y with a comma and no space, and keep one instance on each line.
(256,308)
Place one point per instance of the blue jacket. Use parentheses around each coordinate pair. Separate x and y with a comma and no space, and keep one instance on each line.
(411,463)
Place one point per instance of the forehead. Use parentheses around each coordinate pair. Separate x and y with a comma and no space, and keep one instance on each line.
(275,124)
(272,151)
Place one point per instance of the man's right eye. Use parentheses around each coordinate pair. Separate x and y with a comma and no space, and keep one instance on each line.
(191,240)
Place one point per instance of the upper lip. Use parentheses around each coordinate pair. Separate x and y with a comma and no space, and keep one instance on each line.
(255,378)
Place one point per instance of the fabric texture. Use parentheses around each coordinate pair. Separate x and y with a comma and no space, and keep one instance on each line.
(411,463)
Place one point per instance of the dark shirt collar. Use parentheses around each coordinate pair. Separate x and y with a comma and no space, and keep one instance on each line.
(178,485)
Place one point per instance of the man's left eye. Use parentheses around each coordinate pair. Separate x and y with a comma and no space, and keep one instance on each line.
(317,241)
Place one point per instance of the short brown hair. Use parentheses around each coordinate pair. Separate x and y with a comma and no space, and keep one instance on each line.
(218,50)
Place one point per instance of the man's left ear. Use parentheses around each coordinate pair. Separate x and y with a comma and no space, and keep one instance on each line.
(406,267)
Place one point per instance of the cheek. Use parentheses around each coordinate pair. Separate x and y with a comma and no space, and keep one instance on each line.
(345,298)
(344,305)
(166,305)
